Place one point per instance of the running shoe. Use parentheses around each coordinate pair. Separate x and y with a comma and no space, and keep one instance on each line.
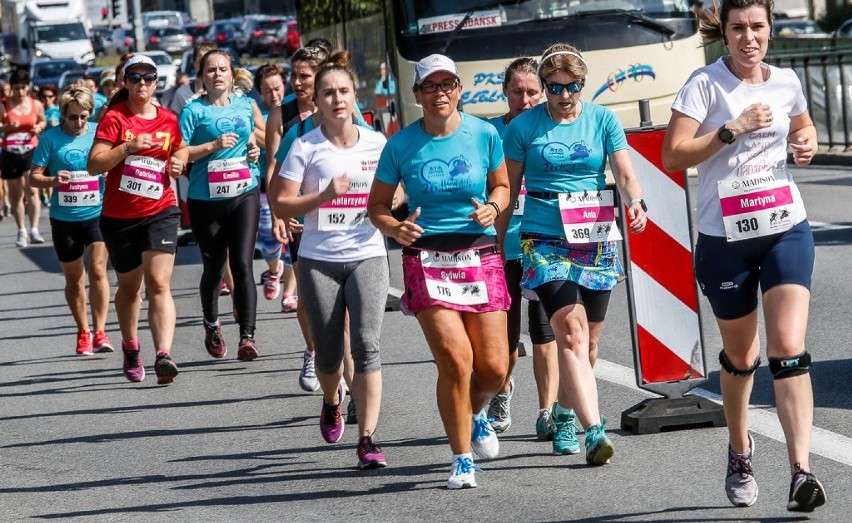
(308,376)
(463,471)
(165,368)
(224,290)
(483,439)
(84,343)
(101,342)
(499,413)
(213,340)
(133,369)
(564,437)
(544,427)
(35,236)
(369,454)
(351,415)
(806,492)
(289,302)
(22,238)
(599,448)
(331,420)
(740,485)
(272,284)
(263,276)
(247,350)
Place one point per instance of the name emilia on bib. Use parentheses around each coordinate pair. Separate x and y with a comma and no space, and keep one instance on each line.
(589,217)
(82,190)
(454,277)
(229,177)
(759,204)
(143,176)
(349,210)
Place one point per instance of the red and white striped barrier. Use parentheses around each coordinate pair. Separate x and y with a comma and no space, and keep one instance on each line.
(668,343)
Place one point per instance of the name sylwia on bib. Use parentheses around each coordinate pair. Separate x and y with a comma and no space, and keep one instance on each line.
(229,177)
(454,277)
(82,190)
(758,204)
(589,217)
(347,211)
(19,143)
(143,176)
(522,198)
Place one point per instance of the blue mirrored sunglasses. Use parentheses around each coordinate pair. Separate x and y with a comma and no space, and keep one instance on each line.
(573,87)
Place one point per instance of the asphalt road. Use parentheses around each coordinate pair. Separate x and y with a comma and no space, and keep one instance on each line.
(234,441)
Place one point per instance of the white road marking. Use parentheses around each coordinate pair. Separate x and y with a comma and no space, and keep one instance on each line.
(761,420)
(823,226)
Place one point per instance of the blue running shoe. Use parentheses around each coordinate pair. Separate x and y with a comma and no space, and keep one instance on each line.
(483,439)
(564,435)
(599,448)
(462,476)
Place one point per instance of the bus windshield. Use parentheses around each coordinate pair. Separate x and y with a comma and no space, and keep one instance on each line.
(442,16)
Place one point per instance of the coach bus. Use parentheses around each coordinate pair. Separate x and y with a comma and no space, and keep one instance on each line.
(635,49)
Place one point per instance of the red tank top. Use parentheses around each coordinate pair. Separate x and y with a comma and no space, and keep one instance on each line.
(21,139)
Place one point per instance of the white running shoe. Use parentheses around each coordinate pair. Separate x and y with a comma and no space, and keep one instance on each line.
(463,471)
(483,439)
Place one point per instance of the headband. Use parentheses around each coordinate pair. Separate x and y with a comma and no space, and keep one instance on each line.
(557,53)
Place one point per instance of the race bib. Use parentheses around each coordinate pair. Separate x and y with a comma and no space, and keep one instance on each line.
(454,277)
(19,143)
(758,205)
(143,176)
(522,198)
(229,177)
(588,217)
(347,211)
(82,190)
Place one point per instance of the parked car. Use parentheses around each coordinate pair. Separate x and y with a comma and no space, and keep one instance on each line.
(223,32)
(188,67)
(166,69)
(48,71)
(257,32)
(69,77)
(286,40)
(792,28)
(845,30)
(122,41)
(196,31)
(172,40)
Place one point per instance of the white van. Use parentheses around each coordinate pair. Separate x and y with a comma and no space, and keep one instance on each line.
(155,19)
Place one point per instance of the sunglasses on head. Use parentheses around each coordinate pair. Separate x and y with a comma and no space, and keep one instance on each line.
(134,78)
(573,87)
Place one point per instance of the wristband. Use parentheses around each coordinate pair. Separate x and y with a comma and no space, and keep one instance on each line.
(496,207)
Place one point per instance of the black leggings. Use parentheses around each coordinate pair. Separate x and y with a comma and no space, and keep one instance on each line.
(227,229)
(540,330)
(560,293)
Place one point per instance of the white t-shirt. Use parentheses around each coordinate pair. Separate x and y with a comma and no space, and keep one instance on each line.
(340,230)
(714,96)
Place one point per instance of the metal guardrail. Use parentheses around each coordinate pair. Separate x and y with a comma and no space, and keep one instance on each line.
(826,77)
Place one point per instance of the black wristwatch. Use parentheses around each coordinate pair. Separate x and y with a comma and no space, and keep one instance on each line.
(725,135)
(641,203)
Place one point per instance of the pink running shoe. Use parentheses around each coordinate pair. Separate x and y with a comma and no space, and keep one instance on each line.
(247,350)
(272,284)
(84,343)
(369,454)
(133,369)
(224,290)
(101,342)
(331,418)
(289,302)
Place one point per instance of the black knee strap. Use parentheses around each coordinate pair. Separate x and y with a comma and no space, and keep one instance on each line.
(735,371)
(788,367)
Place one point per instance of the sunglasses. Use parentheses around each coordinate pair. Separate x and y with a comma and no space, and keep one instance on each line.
(446,86)
(573,87)
(134,78)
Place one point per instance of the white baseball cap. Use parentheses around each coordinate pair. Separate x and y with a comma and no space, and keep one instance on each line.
(434,63)
(140,59)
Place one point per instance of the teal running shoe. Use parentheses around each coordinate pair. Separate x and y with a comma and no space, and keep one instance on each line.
(544,427)
(599,448)
(564,435)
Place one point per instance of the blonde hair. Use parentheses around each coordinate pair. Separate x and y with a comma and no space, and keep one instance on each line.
(243,80)
(80,95)
(562,57)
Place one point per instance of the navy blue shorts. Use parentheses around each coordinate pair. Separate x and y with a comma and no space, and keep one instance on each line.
(730,272)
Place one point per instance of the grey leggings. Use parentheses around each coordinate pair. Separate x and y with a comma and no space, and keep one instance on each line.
(327,290)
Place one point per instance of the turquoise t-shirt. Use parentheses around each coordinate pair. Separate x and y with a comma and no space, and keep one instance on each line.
(201,122)
(441,174)
(52,116)
(512,243)
(100,100)
(59,151)
(567,157)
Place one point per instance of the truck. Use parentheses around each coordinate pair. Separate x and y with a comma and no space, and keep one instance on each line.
(46,29)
